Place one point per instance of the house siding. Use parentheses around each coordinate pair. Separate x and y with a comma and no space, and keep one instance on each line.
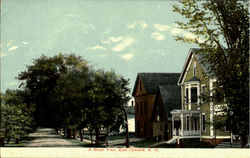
(204,107)
(142,118)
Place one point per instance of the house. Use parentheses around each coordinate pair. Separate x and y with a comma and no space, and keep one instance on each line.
(195,118)
(168,98)
(144,92)
(131,118)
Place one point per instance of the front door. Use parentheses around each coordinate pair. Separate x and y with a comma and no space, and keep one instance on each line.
(165,132)
(177,126)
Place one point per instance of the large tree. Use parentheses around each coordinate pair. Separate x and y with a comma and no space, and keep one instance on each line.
(40,79)
(16,116)
(221,29)
(69,97)
(107,100)
(68,93)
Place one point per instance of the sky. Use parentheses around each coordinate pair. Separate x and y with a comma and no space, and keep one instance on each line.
(127,36)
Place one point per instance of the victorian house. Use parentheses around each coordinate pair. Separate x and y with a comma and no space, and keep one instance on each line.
(195,117)
(144,92)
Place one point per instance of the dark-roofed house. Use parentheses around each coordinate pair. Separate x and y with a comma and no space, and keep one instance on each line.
(168,98)
(144,92)
(194,120)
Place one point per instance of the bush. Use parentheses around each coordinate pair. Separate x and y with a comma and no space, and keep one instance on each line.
(191,143)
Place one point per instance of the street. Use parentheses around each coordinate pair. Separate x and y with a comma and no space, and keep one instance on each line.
(47,137)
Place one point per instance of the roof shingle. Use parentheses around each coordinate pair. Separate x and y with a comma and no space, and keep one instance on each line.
(151,81)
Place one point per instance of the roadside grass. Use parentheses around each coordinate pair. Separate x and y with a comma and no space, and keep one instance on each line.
(120,136)
(196,144)
(143,143)
(165,146)
(12,142)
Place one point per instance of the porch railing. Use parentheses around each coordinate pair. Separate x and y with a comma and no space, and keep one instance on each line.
(191,133)
(186,133)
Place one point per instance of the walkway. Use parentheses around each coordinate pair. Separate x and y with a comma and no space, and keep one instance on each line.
(46,137)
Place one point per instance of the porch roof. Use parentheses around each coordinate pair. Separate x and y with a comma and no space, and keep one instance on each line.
(179,111)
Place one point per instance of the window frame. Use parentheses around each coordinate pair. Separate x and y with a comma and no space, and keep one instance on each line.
(203,122)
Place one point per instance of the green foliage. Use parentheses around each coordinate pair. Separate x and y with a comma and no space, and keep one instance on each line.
(16,116)
(109,97)
(40,79)
(68,93)
(221,30)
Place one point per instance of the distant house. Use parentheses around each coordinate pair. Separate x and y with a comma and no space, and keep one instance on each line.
(195,117)
(168,98)
(131,118)
(144,92)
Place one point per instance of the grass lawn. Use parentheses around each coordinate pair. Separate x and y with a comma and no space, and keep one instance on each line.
(12,142)
(165,146)
(196,144)
(143,143)
(120,136)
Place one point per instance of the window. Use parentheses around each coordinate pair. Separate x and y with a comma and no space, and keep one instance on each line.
(141,108)
(203,89)
(187,122)
(194,96)
(136,108)
(195,123)
(187,95)
(194,68)
(145,107)
(140,87)
(203,122)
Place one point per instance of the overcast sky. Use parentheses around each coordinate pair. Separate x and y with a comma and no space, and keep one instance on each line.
(127,36)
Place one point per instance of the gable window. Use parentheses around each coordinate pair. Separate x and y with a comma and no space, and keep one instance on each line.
(203,122)
(187,99)
(194,69)
(203,89)
(194,96)
(140,87)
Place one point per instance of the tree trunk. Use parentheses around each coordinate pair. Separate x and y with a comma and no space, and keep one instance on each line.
(17,140)
(127,133)
(97,139)
(215,137)
(107,142)
(243,140)
(81,134)
(74,133)
(91,136)
(8,139)
(56,129)
(1,141)
(68,133)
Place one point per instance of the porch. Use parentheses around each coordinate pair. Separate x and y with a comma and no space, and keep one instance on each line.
(186,123)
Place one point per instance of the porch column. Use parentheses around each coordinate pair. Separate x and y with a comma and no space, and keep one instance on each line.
(182,124)
(173,125)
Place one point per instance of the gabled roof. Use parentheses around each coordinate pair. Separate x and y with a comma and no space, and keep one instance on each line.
(171,97)
(194,78)
(151,81)
(199,56)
